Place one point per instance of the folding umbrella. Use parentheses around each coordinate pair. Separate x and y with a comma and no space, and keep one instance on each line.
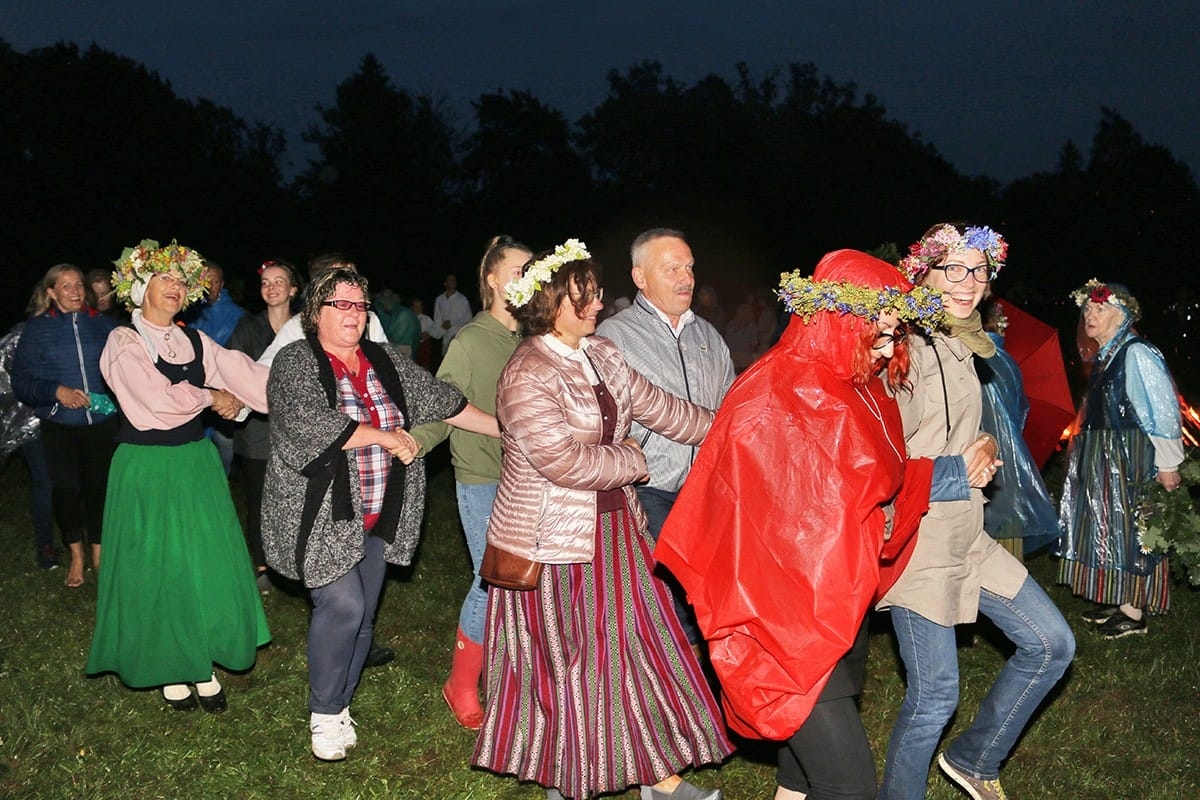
(1034,346)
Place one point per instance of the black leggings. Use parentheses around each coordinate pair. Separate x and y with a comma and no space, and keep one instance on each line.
(78,457)
(829,757)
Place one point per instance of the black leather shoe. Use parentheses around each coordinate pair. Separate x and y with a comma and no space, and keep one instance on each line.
(378,656)
(186,704)
(215,703)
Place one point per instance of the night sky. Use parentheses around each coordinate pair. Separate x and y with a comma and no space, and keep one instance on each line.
(996,87)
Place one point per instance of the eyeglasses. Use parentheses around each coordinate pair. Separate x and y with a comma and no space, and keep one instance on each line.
(587,298)
(346,305)
(957,273)
(884,339)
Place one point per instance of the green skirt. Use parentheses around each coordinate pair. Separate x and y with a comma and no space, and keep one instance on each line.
(177,592)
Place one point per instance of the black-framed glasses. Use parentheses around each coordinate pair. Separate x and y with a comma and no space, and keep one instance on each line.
(957,273)
(895,337)
(346,305)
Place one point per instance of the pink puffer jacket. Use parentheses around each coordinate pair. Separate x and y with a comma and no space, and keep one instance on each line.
(553,462)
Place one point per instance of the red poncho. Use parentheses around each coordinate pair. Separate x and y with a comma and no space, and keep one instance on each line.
(778,531)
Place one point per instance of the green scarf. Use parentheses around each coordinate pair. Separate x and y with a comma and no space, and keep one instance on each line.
(970,332)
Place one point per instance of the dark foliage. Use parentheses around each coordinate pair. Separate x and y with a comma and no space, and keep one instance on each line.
(765,173)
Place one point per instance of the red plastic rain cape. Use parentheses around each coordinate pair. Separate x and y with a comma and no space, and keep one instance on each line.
(777,533)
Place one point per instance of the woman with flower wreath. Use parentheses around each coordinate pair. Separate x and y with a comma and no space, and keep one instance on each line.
(957,571)
(1129,433)
(177,594)
(591,686)
(800,488)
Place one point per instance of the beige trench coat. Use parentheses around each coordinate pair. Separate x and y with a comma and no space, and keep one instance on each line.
(954,557)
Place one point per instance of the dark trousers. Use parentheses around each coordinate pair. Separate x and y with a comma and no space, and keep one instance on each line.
(254,476)
(829,757)
(657,504)
(78,457)
(41,504)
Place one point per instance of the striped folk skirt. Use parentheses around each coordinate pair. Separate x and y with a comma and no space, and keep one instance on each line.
(591,684)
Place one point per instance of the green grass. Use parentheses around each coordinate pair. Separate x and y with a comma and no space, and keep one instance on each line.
(1123,724)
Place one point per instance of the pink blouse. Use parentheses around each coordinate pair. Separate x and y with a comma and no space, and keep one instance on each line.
(150,401)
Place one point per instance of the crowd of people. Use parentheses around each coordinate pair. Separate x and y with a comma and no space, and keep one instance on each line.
(642,493)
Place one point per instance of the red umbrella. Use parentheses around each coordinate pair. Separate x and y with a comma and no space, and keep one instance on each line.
(1034,346)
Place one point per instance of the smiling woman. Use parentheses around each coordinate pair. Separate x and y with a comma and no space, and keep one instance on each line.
(177,594)
(56,371)
(558,661)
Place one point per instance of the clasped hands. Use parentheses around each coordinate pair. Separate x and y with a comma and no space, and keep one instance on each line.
(225,405)
(981,461)
(400,444)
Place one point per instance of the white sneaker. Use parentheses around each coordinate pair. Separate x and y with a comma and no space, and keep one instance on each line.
(346,728)
(327,743)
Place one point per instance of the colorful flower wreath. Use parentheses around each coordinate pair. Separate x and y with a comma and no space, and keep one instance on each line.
(1096,292)
(805,297)
(138,264)
(945,241)
(518,292)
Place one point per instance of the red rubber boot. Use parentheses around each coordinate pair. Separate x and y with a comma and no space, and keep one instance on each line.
(461,691)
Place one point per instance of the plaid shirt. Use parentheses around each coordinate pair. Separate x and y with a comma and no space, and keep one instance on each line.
(362,398)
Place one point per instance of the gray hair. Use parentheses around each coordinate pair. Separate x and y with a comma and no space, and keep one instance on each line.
(646,237)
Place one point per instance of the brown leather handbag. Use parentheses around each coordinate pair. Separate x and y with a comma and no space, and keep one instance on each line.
(506,570)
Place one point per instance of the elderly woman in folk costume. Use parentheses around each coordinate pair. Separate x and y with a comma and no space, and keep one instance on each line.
(800,488)
(957,571)
(1130,433)
(591,684)
(177,594)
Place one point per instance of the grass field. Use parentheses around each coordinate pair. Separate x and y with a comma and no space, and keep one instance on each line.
(1122,725)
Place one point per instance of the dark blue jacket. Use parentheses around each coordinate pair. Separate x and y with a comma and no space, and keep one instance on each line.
(58,349)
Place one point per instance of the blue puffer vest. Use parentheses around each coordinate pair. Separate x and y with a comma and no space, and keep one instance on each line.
(58,349)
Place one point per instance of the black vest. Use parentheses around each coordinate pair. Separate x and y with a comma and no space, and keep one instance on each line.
(193,429)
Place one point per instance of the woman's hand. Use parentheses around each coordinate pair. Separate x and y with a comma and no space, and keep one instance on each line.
(981,461)
(400,444)
(71,398)
(1169,479)
(225,405)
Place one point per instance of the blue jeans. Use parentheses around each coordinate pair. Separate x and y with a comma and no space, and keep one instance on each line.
(1045,647)
(340,632)
(474,508)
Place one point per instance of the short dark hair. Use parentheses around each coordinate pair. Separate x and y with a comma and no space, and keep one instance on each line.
(323,262)
(539,313)
(324,287)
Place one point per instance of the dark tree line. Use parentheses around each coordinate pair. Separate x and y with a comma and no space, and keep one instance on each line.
(766,173)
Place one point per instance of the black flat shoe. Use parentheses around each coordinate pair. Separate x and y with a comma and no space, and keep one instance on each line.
(378,656)
(186,704)
(214,704)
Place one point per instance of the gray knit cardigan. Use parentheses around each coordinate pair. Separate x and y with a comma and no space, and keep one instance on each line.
(312,523)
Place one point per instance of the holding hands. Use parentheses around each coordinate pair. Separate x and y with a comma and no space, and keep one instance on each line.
(225,405)
(981,461)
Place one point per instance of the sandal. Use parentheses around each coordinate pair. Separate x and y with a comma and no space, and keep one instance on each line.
(73,581)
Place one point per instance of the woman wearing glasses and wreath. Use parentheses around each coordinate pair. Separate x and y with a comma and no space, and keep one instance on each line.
(591,684)
(957,571)
(344,497)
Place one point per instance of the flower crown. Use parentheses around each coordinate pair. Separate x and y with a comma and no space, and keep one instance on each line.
(945,241)
(1096,292)
(520,291)
(804,297)
(140,263)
